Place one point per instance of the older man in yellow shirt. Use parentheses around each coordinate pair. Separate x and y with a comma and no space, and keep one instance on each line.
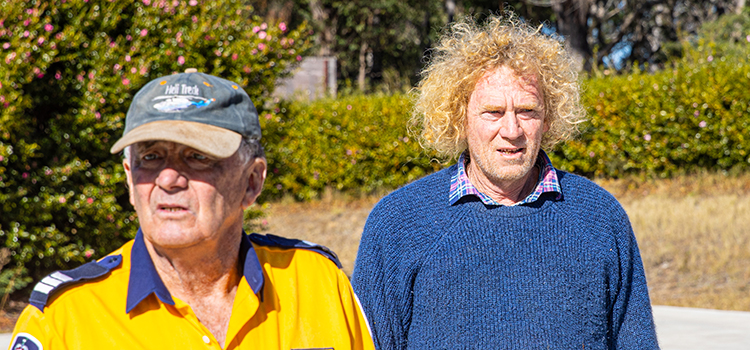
(192,278)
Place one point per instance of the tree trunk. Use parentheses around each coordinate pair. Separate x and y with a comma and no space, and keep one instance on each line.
(571,24)
(361,77)
(450,9)
(325,26)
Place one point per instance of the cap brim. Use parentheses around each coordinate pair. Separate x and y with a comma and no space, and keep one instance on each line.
(212,140)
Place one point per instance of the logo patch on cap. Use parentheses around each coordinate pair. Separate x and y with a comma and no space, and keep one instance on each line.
(25,341)
(178,97)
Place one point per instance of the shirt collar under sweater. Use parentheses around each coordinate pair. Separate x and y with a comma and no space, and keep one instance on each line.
(461,186)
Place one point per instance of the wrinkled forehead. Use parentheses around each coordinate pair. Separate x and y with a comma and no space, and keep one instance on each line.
(506,78)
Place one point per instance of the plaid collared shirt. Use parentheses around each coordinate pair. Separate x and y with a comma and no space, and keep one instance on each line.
(461,186)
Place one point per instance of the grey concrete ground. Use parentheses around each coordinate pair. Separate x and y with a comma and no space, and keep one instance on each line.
(678,328)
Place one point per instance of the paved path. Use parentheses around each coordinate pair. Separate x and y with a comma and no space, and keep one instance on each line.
(678,328)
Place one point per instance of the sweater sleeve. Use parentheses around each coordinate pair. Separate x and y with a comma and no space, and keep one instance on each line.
(631,323)
(373,281)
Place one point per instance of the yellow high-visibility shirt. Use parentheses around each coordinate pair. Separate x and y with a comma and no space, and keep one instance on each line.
(293,295)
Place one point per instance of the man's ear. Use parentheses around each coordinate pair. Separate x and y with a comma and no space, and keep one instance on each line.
(129,183)
(257,175)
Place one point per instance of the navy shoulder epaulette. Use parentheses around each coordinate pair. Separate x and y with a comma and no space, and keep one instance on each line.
(277,241)
(58,280)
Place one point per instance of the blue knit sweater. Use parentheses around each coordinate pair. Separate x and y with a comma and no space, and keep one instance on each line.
(556,274)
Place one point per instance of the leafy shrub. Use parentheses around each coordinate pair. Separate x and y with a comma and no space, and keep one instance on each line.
(68,71)
(693,116)
(356,143)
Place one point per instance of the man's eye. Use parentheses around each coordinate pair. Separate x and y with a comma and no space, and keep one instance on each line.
(199,156)
(149,156)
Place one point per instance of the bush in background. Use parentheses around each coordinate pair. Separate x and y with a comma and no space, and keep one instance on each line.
(694,116)
(353,144)
(68,71)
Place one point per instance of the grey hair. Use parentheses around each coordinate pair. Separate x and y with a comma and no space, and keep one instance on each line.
(249,150)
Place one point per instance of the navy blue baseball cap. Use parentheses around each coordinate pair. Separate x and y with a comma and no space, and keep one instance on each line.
(198,110)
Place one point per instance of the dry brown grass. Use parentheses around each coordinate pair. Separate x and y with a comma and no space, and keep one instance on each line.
(694,236)
(693,232)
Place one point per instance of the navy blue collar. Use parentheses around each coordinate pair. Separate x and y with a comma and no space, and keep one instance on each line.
(144,279)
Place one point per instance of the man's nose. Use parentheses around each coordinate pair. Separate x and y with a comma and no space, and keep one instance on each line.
(171,178)
(510,128)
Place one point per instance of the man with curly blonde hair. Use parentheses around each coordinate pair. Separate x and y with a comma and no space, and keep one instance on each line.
(501,250)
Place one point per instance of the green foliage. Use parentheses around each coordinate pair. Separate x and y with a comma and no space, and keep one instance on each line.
(69,70)
(727,36)
(693,116)
(356,144)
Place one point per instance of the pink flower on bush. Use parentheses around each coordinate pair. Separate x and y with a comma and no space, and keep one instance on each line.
(127,58)
(262,35)
(702,124)
(128,37)
(299,58)
(261,46)
(144,32)
(98,115)
(234,57)
(349,107)
(710,58)
(89,200)
(282,26)
(195,19)
(48,172)
(26,34)
(192,2)
(89,253)
(180,60)
(263,26)
(62,199)
(133,70)
(147,2)
(26,23)
(647,137)
(125,81)
(92,75)
(48,27)
(217,52)
(6,46)
(696,113)
(268,116)
(25,175)
(58,76)
(40,41)
(253,51)
(256,29)
(117,66)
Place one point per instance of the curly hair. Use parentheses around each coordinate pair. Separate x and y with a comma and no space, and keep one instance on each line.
(465,53)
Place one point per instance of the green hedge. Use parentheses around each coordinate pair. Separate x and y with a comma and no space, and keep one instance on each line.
(357,143)
(693,116)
